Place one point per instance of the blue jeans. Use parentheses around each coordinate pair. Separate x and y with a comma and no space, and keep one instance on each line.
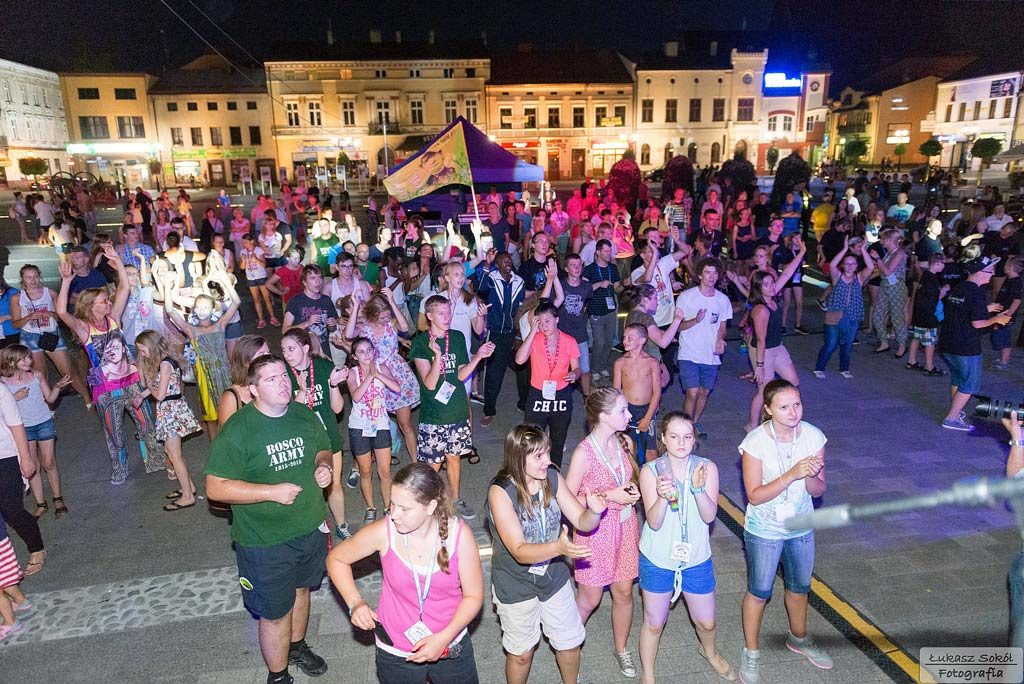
(839,335)
(763,556)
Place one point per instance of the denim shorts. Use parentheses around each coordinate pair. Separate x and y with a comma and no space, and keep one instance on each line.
(257,282)
(700,579)
(274,262)
(584,357)
(460,669)
(763,557)
(41,432)
(233,330)
(363,445)
(964,372)
(693,375)
(1001,339)
(31,340)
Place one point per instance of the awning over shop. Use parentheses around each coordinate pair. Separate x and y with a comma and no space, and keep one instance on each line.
(1015,153)
(414,142)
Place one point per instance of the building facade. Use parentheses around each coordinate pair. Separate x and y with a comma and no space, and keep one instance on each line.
(794,116)
(214,125)
(32,121)
(575,121)
(111,126)
(360,109)
(971,105)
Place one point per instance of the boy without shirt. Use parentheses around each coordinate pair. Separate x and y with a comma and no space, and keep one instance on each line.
(638,375)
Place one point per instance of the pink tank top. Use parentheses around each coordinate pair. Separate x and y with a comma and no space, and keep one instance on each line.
(398,609)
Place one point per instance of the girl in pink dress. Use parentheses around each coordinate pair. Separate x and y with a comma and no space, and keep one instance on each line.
(604,463)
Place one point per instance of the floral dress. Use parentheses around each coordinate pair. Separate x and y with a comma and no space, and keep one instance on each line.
(386,349)
(174,417)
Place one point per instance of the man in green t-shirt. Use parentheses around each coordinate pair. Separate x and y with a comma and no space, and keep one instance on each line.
(324,243)
(442,366)
(270,462)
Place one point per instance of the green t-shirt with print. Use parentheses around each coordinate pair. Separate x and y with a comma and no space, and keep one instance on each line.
(259,449)
(322,252)
(432,411)
(321,398)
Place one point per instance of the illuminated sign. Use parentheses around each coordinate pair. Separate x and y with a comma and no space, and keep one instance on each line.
(779,80)
(113,148)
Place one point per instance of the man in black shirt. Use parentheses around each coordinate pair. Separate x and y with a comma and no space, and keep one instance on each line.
(929,244)
(532,270)
(965,313)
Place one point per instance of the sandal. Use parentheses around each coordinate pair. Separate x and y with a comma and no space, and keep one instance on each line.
(729,675)
(176,494)
(914,366)
(59,509)
(934,372)
(472,457)
(171,475)
(41,509)
(175,506)
(33,567)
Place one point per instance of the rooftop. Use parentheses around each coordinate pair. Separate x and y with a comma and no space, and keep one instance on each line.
(211,74)
(911,69)
(558,66)
(369,51)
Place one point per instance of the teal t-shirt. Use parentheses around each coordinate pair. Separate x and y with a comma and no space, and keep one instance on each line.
(432,411)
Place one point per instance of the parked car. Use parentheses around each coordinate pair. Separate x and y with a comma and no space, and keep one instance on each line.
(657,175)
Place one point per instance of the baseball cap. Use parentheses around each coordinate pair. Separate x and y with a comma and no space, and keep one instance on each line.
(979,264)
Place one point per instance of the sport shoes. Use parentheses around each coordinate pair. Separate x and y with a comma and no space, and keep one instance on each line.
(846,374)
(999,365)
(283,679)
(750,666)
(802,330)
(476,398)
(819,374)
(960,425)
(343,532)
(8,630)
(24,607)
(701,434)
(807,648)
(370,515)
(464,510)
(353,478)
(118,478)
(626,666)
(307,661)
(822,305)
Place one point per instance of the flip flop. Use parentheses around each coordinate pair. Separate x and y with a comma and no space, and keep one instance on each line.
(176,494)
(729,675)
(472,457)
(175,506)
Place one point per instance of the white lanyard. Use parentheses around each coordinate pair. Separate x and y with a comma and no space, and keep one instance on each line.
(421,597)
(685,495)
(620,473)
(778,453)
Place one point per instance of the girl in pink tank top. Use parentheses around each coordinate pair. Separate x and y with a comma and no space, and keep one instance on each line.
(432,585)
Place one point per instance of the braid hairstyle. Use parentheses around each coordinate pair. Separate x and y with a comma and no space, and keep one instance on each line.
(602,400)
(425,485)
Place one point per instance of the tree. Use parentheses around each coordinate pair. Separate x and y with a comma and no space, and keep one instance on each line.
(930,148)
(678,174)
(33,166)
(900,150)
(986,148)
(156,169)
(855,149)
(742,173)
(772,157)
(624,181)
(792,171)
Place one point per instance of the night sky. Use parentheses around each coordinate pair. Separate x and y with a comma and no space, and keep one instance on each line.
(84,35)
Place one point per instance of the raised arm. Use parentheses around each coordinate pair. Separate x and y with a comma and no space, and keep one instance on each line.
(66,276)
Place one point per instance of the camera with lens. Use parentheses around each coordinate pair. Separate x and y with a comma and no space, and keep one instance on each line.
(998,409)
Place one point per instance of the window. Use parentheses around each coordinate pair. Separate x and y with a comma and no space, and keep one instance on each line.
(383,111)
(646,111)
(977,110)
(255,137)
(124,94)
(962,112)
(645,154)
(93,127)
(28,129)
(380,73)
(809,125)
(83,94)
(414,73)
(450,110)
(172,106)
(471,72)
(531,117)
(554,117)
(292,110)
(694,109)
(416,112)
(232,106)
(35,96)
(250,105)
(448,73)
(787,124)
(130,127)
(235,135)
(1007,107)
(12,125)
(315,114)
(471,110)
(949,112)
(7,92)
(620,114)
(671,107)
(216,139)
(773,123)
(718,109)
(600,114)
(505,117)
(176,138)
(192,106)
(197,136)
(348,113)
(46,100)
(579,117)
(991,109)
(24,96)
(745,109)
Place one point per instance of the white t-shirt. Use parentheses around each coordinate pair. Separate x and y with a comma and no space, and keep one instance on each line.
(776,458)
(253,269)
(697,344)
(11,416)
(993,222)
(588,250)
(44,213)
(662,282)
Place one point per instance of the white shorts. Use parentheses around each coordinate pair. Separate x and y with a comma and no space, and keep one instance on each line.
(521,622)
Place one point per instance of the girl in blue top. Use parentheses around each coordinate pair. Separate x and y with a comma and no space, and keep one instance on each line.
(680,494)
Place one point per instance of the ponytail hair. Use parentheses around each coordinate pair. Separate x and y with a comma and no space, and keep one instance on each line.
(602,400)
(425,485)
(302,336)
(770,390)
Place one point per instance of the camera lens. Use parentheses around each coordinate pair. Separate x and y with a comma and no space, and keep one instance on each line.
(997,409)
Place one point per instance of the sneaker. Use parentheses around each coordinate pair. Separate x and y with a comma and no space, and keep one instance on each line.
(487,420)
(783,330)
(819,374)
(283,679)
(822,305)
(24,607)
(626,666)
(701,434)
(353,479)
(8,630)
(261,325)
(370,515)
(343,532)
(960,425)
(999,365)
(118,478)
(476,398)
(807,648)
(856,341)
(802,330)
(464,510)
(309,662)
(846,374)
(274,322)
(750,666)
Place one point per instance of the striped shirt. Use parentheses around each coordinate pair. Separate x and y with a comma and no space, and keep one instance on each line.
(10,571)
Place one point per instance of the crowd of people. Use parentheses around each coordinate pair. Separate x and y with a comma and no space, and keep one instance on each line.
(390,333)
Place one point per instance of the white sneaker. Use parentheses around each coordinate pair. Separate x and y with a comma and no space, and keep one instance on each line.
(846,374)
(819,374)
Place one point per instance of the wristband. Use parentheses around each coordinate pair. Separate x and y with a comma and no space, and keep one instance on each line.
(696,490)
(324,465)
(1016,442)
(760,364)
